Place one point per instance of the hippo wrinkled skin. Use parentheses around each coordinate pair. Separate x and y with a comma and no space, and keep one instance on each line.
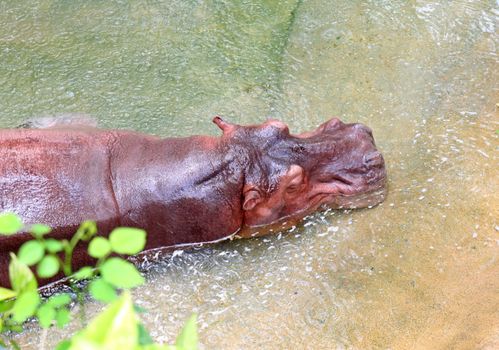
(183,190)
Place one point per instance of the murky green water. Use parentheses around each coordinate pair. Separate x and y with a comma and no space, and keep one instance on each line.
(419,271)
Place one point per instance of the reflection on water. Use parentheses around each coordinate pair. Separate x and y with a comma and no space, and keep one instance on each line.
(418,271)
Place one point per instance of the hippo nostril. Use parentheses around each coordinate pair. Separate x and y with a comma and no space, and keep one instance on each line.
(373,159)
(364,128)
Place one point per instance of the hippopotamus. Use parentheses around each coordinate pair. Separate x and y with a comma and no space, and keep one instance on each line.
(183,190)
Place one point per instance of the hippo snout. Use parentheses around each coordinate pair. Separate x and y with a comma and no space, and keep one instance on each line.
(363,128)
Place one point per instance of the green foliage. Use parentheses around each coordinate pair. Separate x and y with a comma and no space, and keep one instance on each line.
(25,306)
(62,317)
(10,223)
(21,277)
(54,309)
(39,230)
(86,231)
(116,328)
(6,293)
(46,314)
(102,291)
(14,312)
(53,245)
(121,273)
(48,267)
(127,240)
(31,252)
(84,273)
(64,345)
(188,338)
(99,247)
(50,257)
(144,336)
(59,300)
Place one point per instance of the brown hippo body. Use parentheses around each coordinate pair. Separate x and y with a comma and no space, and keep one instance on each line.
(182,190)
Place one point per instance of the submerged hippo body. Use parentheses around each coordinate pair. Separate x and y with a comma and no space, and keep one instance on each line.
(182,190)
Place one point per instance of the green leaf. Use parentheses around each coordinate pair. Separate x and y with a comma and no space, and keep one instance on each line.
(99,247)
(39,230)
(59,300)
(21,277)
(16,328)
(159,347)
(62,317)
(13,343)
(84,273)
(31,252)
(25,306)
(10,223)
(46,314)
(64,345)
(127,240)
(139,309)
(48,267)
(6,305)
(114,328)
(188,338)
(53,245)
(87,230)
(6,293)
(121,273)
(102,291)
(144,336)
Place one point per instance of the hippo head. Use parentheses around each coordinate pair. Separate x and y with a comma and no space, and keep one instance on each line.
(289,176)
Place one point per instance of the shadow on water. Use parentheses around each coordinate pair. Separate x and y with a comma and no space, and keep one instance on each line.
(418,271)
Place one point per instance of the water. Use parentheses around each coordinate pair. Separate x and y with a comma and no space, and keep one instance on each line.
(419,271)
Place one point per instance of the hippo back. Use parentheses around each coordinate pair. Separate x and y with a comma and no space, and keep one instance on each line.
(55,177)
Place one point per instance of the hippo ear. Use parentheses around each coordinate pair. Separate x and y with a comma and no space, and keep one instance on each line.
(223,125)
(252,197)
(331,125)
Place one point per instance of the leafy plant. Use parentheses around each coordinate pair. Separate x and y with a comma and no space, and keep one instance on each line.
(118,327)
(112,329)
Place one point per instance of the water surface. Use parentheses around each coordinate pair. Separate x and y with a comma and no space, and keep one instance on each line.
(419,271)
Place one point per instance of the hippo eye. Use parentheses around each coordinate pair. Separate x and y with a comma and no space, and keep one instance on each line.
(298,149)
(334,178)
